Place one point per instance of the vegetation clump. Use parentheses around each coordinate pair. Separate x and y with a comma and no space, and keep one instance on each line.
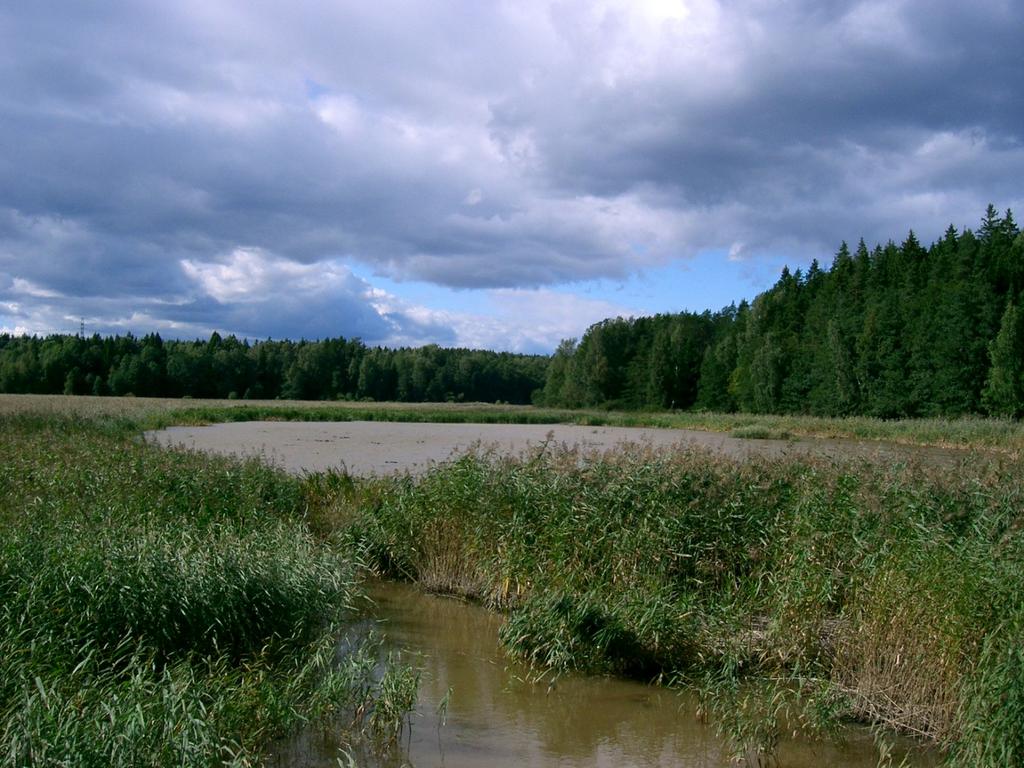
(169,608)
(232,368)
(163,608)
(895,331)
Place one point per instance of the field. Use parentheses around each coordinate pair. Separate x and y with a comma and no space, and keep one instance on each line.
(792,593)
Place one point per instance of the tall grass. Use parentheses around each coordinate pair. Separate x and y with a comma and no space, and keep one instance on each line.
(792,593)
(161,608)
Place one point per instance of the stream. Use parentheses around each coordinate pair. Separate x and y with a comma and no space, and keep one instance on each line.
(499,715)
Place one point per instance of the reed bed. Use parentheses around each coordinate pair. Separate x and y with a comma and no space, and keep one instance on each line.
(164,608)
(793,594)
(1003,435)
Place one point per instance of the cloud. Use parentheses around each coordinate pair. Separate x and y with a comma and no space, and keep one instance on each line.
(516,320)
(250,275)
(192,165)
(256,295)
(249,293)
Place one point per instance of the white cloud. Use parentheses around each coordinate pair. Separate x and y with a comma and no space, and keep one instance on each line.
(536,320)
(30,289)
(250,274)
(341,113)
(515,320)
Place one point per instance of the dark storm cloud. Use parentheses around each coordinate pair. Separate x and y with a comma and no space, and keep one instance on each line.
(147,145)
(842,115)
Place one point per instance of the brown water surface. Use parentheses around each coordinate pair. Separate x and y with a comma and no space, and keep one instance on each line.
(497,716)
(380,447)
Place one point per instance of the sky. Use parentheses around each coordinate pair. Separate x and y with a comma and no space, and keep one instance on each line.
(481,174)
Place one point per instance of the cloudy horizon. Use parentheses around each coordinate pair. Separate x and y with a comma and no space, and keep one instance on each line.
(475,174)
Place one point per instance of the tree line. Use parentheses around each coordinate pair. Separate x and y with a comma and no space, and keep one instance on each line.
(227,367)
(895,331)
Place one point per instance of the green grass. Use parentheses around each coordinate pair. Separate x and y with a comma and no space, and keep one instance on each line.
(791,593)
(163,608)
(759,432)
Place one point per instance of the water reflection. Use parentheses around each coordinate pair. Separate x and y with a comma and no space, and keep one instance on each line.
(499,715)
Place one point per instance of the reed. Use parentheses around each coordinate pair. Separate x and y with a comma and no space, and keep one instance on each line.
(162,608)
(202,596)
(800,592)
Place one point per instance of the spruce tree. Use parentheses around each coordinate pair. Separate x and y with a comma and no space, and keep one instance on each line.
(1004,389)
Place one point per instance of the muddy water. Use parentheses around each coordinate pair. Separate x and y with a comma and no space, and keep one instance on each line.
(497,716)
(374,447)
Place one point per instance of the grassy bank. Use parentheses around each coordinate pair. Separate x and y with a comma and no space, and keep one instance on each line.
(794,594)
(160,608)
(1004,435)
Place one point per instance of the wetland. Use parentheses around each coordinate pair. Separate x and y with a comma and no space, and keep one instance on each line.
(181,607)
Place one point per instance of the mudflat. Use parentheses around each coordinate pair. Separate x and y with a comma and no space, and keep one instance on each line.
(379,448)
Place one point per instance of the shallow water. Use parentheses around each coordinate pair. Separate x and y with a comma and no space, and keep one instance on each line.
(377,447)
(497,716)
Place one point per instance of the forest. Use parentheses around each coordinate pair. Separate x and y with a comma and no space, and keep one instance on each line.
(895,331)
(227,367)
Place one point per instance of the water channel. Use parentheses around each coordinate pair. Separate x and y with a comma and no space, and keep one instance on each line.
(499,715)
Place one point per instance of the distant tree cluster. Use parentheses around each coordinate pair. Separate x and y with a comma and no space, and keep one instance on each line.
(900,330)
(229,367)
(644,362)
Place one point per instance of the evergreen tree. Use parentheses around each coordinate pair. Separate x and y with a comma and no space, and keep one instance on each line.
(1004,388)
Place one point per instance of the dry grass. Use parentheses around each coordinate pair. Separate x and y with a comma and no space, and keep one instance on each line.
(444,562)
(142,407)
